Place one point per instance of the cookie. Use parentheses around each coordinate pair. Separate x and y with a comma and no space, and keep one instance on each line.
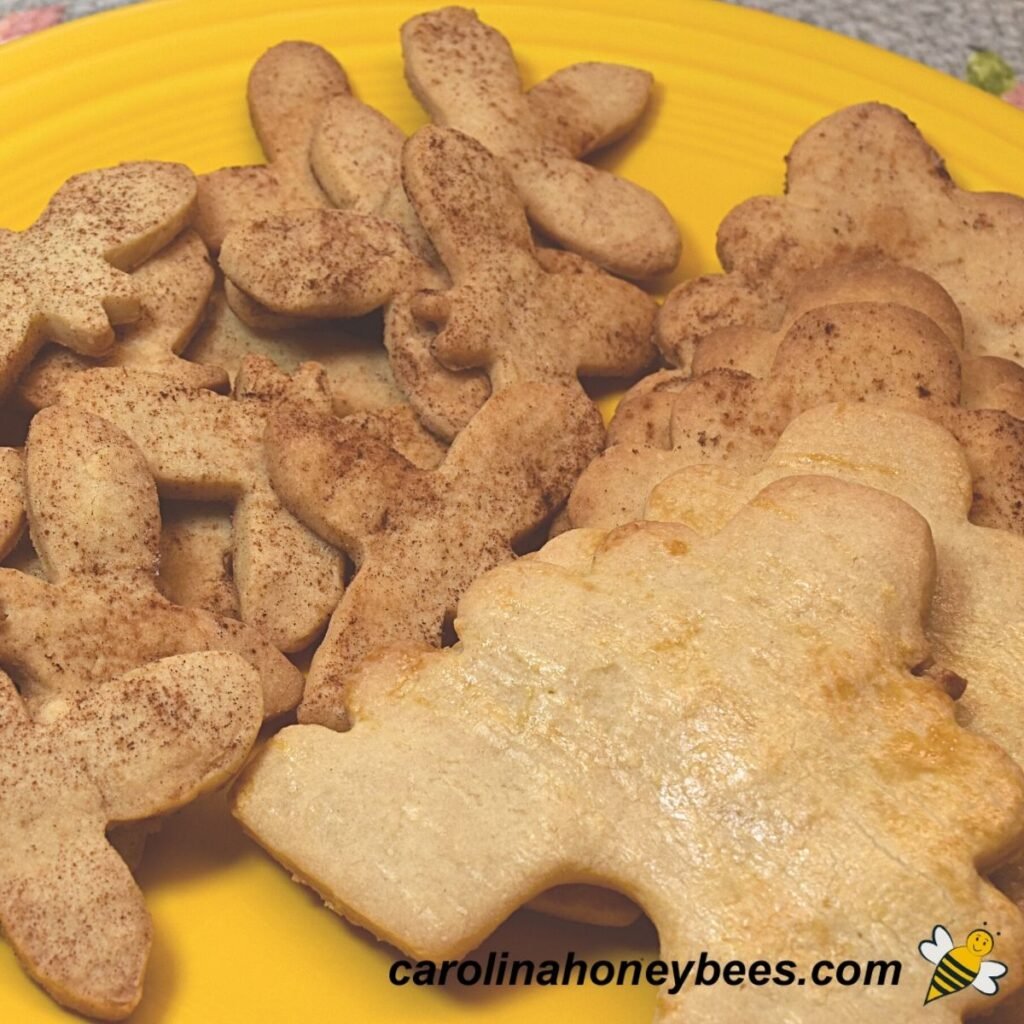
(356,155)
(12,502)
(879,353)
(356,152)
(979,583)
(123,750)
(65,279)
(465,75)
(95,523)
(349,264)
(358,374)
(863,183)
(724,709)
(987,382)
(419,538)
(196,544)
(318,264)
(173,287)
(517,313)
(289,86)
(203,446)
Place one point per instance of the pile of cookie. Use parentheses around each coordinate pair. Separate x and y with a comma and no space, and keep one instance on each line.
(311,437)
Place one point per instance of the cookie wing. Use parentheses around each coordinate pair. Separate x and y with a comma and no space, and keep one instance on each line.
(74,915)
(157,737)
(587,106)
(92,505)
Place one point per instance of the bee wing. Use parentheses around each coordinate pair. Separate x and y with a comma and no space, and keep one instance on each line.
(941,943)
(987,974)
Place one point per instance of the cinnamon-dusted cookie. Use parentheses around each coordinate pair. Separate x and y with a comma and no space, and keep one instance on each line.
(864,352)
(518,313)
(419,538)
(667,721)
(319,264)
(197,541)
(173,287)
(987,382)
(289,86)
(124,750)
(208,447)
(356,153)
(465,75)
(357,157)
(330,263)
(196,544)
(863,183)
(358,374)
(95,523)
(65,278)
(12,501)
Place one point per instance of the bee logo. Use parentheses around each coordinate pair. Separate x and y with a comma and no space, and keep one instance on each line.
(956,968)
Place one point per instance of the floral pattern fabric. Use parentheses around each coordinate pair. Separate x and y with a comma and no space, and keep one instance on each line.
(987,70)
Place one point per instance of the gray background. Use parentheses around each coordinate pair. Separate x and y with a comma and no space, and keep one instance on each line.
(936,32)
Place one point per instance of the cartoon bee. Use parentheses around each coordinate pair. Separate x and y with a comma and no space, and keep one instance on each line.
(965,965)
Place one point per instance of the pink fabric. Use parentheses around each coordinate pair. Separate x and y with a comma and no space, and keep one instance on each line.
(1015,95)
(21,23)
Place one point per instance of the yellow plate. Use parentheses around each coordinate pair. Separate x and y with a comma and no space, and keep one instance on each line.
(236,941)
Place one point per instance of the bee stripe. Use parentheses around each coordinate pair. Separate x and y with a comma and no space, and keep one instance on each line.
(952,975)
(951,978)
(951,963)
(946,986)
